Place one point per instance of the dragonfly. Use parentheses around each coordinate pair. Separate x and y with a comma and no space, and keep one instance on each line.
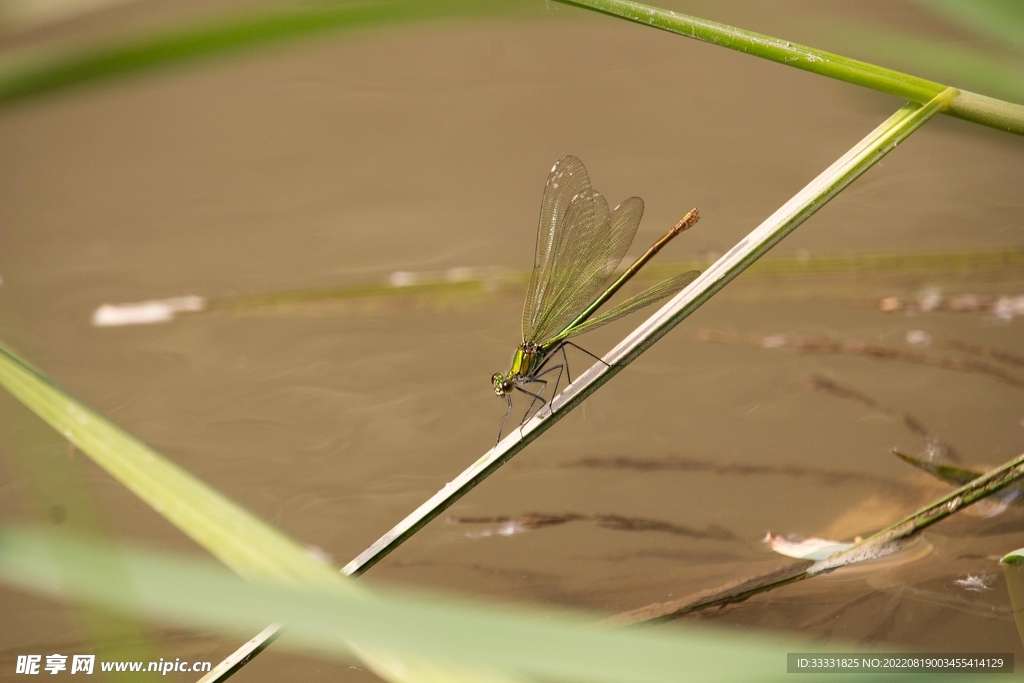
(580,245)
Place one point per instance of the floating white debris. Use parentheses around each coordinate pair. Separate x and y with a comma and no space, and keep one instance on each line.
(774,341)
(1006,307)
(403,278)
(509,528)
(816,549)
(974,583)
(919,337)
(930,300)
(146,312)
(488,275)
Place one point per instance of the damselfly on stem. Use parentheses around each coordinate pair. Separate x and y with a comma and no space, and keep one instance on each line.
(580,244)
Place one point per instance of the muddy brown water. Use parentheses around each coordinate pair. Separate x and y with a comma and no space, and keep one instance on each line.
(344,159)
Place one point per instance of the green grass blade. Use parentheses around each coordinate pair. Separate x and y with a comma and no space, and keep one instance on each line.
(987,111)
(222,36)
(552,646)
(237,538)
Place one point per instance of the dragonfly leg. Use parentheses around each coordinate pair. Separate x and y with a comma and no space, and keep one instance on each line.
(580,348)
(504,419)
(565,362)
(561,367)
(537,397)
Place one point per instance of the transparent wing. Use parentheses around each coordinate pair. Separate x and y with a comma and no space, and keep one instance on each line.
(569,257)
(645,298)
(592,264)
(566,209)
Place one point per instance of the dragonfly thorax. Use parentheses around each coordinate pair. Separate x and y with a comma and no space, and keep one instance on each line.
(524,363)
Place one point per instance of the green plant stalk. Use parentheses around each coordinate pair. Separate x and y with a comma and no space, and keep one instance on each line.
(877,545)
(969,106)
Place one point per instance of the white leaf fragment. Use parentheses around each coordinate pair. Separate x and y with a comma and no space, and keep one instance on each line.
(146,312)
(816,549)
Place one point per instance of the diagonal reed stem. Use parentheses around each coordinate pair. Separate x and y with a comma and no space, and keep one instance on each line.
(802,206)
(794,212)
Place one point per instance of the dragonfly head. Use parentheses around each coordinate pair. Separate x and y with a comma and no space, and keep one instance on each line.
(502,384)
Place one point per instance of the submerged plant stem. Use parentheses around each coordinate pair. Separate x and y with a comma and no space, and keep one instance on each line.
(877,545)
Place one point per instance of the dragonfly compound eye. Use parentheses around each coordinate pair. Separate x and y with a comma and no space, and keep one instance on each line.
(502,385)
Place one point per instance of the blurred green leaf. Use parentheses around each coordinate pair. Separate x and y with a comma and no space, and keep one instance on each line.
(539,643)
(1015,557)
(228,34)
(999,19)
